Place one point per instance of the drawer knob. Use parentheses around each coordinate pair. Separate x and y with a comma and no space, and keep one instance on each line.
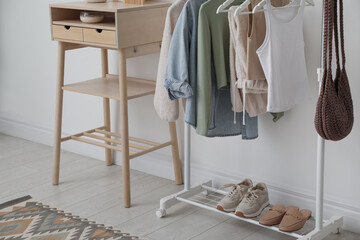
(99,30)
(67,27)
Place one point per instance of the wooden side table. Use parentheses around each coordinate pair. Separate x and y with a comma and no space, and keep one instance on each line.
(131,30)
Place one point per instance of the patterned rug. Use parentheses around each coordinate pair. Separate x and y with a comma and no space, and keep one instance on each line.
(27,219)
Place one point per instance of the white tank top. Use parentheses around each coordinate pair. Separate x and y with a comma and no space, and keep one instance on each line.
(282,58)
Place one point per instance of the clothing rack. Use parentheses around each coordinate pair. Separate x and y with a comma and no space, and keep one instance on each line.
(204,195)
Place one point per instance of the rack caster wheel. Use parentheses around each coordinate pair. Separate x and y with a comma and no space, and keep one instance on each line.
(160,213)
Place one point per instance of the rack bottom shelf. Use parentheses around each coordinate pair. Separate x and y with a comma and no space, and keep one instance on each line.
(206,197)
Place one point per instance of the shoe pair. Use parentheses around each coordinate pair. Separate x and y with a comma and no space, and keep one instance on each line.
(246,200)
(290,218)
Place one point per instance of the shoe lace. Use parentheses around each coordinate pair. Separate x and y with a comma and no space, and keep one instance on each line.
(233,190)
(250,196)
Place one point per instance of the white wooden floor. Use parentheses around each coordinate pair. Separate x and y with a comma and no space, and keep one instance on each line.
(90,189)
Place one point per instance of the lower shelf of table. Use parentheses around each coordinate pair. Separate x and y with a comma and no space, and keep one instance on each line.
(109,87)
(102,138)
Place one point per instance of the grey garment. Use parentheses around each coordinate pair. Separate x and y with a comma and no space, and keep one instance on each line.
(180,74)
(222,117)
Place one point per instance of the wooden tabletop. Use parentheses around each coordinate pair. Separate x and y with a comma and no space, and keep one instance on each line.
(109,6)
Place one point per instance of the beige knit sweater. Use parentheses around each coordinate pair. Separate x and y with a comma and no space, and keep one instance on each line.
(168,110)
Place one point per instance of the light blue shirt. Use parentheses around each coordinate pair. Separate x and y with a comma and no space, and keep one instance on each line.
(180,75)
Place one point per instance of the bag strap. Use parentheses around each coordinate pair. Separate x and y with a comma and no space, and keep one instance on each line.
(325,35)
(336,34)
(342,41)
(330,34)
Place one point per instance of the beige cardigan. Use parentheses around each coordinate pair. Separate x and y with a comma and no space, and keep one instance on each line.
(168,110)
(256,90)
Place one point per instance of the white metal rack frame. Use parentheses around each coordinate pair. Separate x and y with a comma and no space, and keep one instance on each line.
(322,228)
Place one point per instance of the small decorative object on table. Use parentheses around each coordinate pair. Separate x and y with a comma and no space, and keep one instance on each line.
(96,1)
(91,17)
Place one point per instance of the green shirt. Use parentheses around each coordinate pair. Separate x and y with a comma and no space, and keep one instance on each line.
(213,52)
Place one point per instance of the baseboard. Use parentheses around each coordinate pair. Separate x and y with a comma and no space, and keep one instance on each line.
(161,165)
(153,163)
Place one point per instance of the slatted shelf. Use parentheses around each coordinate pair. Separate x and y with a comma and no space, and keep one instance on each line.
(100,137)
(109,87)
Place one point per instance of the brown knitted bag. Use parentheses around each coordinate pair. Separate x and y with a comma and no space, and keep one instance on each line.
(334,111)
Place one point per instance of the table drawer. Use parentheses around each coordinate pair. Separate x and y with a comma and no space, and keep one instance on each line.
(67,32)
(99,36)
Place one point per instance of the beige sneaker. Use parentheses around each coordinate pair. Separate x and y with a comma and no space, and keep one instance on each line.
(254,202)
(234,197)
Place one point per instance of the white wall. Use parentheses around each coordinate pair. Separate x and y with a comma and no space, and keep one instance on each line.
(284,155)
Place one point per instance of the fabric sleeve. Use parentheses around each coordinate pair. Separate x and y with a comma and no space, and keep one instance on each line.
(177,65)
(203,101)
(236,98)
(166,109)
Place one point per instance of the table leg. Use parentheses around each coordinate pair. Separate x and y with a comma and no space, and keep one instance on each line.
(124,127)
(58,113)
(106,105)
(175,153)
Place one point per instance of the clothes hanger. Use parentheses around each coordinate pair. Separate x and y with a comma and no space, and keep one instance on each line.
(242,7)
(260,6)
(223,6)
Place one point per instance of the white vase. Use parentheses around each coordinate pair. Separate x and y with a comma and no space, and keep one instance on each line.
(91,17)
